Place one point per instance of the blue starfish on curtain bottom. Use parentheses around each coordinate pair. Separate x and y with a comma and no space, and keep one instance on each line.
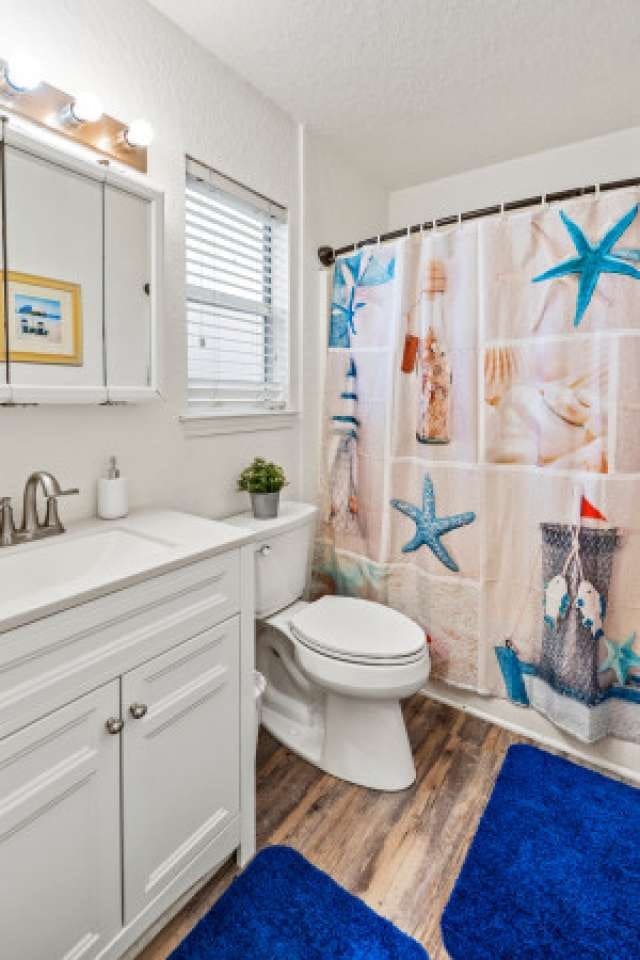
(593,260)
(429,527)
(620,658)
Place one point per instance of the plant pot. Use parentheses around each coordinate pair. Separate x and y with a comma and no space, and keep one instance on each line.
(265,505)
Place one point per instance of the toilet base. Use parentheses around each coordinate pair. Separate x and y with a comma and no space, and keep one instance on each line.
(366,742)
(362,741)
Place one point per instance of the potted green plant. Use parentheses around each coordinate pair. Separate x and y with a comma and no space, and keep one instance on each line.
(263,481)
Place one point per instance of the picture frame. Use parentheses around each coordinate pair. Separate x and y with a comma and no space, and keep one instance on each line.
(43,321)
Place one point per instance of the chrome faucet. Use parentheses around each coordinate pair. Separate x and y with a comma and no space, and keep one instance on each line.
(32,528)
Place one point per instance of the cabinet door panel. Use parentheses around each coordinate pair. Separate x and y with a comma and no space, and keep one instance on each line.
(180,760)
(59,833)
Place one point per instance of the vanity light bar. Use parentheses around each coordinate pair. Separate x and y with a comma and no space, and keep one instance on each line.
(78,118)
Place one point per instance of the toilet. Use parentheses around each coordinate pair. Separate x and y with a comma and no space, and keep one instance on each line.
(336,668)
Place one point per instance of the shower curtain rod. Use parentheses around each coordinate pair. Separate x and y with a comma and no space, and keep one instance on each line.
(327,255)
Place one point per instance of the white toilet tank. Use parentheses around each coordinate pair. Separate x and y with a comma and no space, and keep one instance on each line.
(283,554)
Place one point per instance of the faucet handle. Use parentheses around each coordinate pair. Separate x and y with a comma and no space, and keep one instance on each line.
(7,525)
(52,518)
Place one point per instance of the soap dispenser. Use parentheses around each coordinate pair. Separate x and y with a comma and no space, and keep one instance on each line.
(113,498)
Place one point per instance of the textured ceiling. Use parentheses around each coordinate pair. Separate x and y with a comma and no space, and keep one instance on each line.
(411,90)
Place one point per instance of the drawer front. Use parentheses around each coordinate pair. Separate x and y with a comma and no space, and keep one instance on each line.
(181,751)
(47,663)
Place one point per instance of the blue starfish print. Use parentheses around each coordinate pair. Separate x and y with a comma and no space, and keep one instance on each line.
(429,527)
(620,658)
(592,260)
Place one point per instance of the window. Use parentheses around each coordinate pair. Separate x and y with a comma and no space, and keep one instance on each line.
(237,295)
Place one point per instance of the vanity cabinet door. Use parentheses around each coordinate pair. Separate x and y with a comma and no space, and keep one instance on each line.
(180,761)
(59,833)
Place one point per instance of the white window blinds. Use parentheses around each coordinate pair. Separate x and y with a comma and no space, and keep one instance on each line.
(237,295)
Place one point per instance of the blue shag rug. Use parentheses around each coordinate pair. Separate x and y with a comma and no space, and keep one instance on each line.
(554,869)
(283,908)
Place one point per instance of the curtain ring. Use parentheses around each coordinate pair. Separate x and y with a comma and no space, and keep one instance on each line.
(597,191)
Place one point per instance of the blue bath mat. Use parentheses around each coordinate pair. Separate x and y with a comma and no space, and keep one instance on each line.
(283,908)
(554,870)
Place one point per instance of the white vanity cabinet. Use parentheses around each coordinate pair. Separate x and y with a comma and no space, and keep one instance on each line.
(126,757)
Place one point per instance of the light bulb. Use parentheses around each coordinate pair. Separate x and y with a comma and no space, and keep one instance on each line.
(22,73)
(86,108)
(139,134)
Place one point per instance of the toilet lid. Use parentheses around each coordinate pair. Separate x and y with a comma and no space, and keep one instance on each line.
(358,630)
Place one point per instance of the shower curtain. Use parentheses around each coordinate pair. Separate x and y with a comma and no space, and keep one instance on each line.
(482,453)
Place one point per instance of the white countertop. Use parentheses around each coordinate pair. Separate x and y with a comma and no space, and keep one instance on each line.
(97,557)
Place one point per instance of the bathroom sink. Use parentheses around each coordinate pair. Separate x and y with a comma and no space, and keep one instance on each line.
(45,576)
(50,569)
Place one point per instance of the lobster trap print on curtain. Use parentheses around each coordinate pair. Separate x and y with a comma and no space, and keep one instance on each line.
(482,453)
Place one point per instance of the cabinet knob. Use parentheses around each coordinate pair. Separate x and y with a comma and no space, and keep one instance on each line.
(114,725)
(265,550)
(138,710)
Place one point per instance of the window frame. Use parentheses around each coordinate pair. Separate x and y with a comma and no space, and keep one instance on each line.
(265,411)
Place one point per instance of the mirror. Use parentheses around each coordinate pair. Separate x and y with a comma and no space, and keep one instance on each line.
(4,361)
(80,245)
(128,291)
(55,283)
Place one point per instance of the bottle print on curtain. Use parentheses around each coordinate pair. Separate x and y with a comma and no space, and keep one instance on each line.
(536,439)
(433,367)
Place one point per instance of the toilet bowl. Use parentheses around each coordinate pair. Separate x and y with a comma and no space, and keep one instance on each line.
(336,668)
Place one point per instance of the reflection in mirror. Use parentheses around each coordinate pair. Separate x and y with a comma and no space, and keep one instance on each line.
(4,390)
(55,287)
(127,290)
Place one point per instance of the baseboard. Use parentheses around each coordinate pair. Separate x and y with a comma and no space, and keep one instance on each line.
(619,757)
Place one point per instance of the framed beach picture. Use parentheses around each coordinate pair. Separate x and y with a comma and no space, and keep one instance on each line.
(44,320)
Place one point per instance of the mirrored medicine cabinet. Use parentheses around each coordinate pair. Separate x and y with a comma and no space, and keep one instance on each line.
(81,278)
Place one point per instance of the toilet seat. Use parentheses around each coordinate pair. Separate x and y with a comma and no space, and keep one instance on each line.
(358,631)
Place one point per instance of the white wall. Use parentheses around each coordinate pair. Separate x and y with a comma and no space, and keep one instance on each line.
(611,157)
(143,65)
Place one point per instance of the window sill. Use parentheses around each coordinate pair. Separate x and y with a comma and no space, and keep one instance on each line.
(211,423)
